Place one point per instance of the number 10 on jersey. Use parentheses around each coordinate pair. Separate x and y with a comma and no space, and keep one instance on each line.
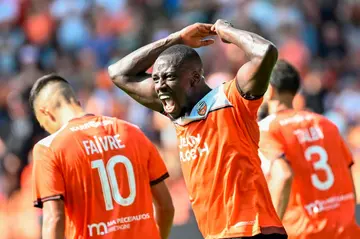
(108,180)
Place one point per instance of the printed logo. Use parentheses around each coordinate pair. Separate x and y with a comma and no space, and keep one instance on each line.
(123,223)
(101,229)
(328,204)
(201,108)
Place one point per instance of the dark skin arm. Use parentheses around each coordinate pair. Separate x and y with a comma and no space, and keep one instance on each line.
(253,77)
(129,73)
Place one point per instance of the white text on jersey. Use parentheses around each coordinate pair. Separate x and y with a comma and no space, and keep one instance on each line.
(295,119)
(190,148)
(91,124)
(311,134)
(102,144)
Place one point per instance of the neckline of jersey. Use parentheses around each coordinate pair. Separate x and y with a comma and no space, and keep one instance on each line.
(81,117)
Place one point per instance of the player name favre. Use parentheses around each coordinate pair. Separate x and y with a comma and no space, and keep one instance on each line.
(102,144)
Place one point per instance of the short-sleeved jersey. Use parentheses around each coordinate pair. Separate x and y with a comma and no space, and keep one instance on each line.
(321,203)
(218,144)
(102,168)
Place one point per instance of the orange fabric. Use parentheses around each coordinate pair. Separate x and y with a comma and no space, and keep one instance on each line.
(221,167)
(322,202)
(102,168)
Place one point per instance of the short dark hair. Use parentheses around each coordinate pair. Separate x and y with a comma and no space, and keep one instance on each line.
(41,83)
(285,78)
(182,53)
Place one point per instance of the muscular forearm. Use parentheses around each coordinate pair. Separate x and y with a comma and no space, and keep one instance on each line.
(54,227)
(252,44)
(253,77)
(142,59)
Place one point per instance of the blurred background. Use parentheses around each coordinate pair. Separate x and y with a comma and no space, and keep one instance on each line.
(80,38)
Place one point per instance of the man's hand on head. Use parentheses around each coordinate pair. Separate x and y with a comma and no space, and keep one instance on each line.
(219,26)
(196,35)
(253,76)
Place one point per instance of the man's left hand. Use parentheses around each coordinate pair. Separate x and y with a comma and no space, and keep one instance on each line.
(219,26)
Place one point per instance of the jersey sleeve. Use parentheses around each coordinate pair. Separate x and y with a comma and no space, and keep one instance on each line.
(156,166)
(248,107)
(47,180)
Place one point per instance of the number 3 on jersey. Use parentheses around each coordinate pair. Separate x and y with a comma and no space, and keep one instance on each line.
(321,164)
(108,174)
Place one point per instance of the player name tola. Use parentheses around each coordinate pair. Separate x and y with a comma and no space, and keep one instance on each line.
(100,144)
(309,134)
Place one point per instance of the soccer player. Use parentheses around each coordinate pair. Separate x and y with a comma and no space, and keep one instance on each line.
(307,165)
(217,129)
(98,175)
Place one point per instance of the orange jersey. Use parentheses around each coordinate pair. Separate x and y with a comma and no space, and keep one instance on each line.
(102,168)
(218,144)
(321,203)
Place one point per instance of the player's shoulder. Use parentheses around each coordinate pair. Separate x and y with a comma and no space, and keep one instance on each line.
(45,147)
(282,120)
(326,123)
(49,140)
(268,122)
(316,117)
(126,124)
(129,131)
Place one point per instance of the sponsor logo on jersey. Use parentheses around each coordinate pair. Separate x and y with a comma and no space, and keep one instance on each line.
(122,223)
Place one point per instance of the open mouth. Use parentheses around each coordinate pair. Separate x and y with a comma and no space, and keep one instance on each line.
(168,103)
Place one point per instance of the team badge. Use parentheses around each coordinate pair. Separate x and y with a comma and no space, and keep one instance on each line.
(201,108)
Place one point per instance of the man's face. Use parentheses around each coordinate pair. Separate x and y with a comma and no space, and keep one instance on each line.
(172,85)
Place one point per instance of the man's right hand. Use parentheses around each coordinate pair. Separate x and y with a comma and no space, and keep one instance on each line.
(196,35)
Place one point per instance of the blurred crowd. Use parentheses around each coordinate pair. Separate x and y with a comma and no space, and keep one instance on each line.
(80,38)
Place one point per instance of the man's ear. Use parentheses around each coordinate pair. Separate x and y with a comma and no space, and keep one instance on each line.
(46,112)
(43,110)
(196,77)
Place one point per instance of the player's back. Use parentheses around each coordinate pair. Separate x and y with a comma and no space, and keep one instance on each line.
(322,197)
(105,165)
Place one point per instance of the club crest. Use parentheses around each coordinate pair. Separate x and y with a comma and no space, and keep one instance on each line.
(201,108)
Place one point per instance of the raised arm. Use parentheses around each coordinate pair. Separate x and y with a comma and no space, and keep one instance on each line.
(253,77)
(129,73)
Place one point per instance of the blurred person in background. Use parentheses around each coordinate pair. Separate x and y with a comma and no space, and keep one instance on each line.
(74,168)
(307,165)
